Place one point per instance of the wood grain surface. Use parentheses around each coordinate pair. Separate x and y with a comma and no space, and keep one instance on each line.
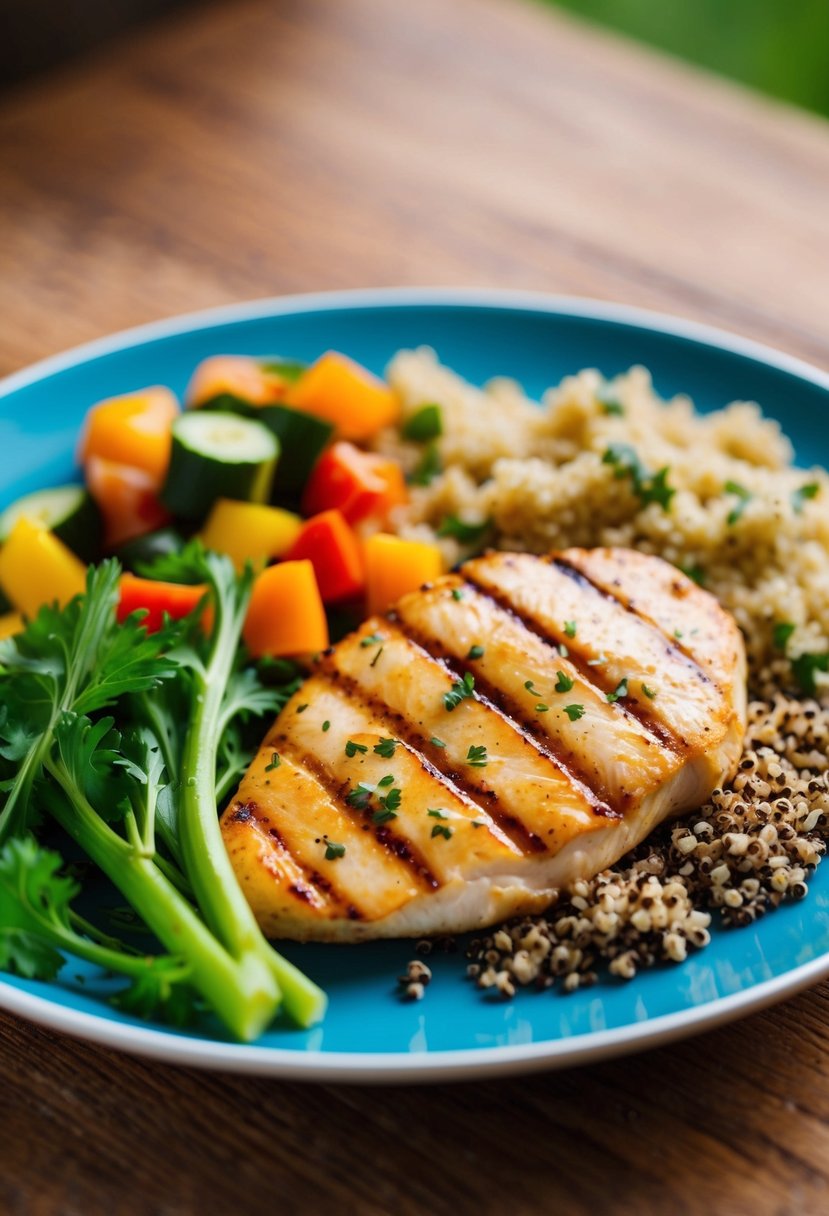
(253,148)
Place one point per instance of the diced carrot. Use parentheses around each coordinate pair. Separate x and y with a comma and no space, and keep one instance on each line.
(357,483)
(395,566)
(134,429)
(36,569)
(234,376)
(333,550)
(286,615)
(249,531)
(157,599)
(127,497)
(344,393)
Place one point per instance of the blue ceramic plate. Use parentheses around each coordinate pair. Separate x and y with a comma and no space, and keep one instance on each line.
(456,1031)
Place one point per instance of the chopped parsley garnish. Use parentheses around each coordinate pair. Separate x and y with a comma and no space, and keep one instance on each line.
(275,762)
(351,748)
(383,815)
(475,652)
(530,687)
(781,633)
(385,748)
(440,829)
(574,712)
(333,850)
(477,757)
(436,742)
(425,424)
(621,690)
(570,628)
(373,639)
(649,692)
(648,487)
(541,708)
(695,573)
(611,405)
(799,496)
(436,813)
(384,781)
(477,823)
(457,594)
(326,725)
(359,796)
(564,683)
(391,801)
(678,634)
(804,669)
(376,657)
(428,467)
(464,532)
(460,690)
(300,709)
(743,499)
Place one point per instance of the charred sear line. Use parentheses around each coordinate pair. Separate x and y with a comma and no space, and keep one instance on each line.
(513,715)
(629,606)
(394,844)
(592,676)
(476,794)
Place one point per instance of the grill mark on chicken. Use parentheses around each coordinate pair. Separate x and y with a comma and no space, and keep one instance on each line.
(513,714)
(396,845)
(590,674)
(311,888)
(476,794)
(629,605)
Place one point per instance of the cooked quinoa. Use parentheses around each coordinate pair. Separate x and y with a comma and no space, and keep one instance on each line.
(609,463)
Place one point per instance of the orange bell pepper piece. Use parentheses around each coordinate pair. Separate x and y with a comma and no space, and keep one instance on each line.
(286,615)
(127,497)
(236,375)
(158,600)
(134,429)
(359,484)
(395,566)
(333,550)
(344,393)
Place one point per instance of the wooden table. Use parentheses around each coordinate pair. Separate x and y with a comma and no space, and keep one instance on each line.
(254,148)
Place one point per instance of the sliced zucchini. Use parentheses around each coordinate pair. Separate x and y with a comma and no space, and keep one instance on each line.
(301,439)
(229,403)
(69,511)
(218,455)
(143,550)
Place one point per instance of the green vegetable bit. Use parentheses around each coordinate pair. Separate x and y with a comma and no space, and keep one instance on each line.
(743,499)
(460,690)
(425,424)
(570,628)
(352,748)
(385,748)
(441,829)
(648,691)
(275,762)
(804,669)
(648,487)
(574,712)
(802,494)
(428,467)
(464,532)
(621,690)
(333,850)
(781,633)
(477,757)
(475,652)
(564,682)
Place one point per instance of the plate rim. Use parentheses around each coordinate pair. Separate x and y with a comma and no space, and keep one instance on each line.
(456,1064)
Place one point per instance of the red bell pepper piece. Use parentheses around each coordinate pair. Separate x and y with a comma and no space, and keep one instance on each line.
(329,544)
(176,600)
(358,484)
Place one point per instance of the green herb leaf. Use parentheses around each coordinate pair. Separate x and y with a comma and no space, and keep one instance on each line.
(441,829)
(564,683)
(326,726)
(541,708)
(383,815)
(352,748)
(649,692)
(621,690)
(805,667)
(425,424)
(436,742)
(333,850)
(391,801)
(530,687)
(800,496)
(274,762)
(648,487)
(372,639)
(475,652)
(428,467)
(359,796)
(477,757)
(436,813)
(743,499)
(574,712)
(464,532)
(570,628)
(457,594)
(460,690)
(385,748)
(781,633)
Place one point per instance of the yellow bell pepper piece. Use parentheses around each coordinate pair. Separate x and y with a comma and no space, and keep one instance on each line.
(36,569)
(249,531)
(395,566)
(10,624)
(340,391)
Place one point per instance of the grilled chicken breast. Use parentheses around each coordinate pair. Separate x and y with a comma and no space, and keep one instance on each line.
(507,730)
